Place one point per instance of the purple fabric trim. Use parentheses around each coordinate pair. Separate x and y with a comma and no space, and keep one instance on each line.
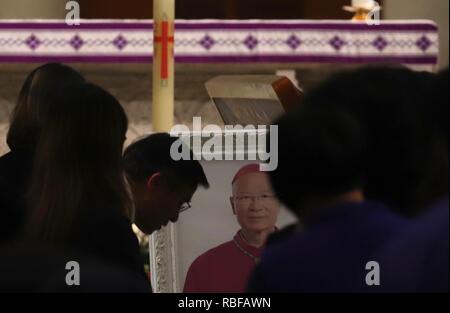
(235,26)
(306,59)
(308,26)
(78,58)
(83,26)
(225,59)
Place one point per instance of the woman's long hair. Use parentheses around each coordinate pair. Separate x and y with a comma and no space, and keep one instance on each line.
(78,163)
(32,105)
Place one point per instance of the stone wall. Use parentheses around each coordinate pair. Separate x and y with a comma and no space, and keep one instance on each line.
(132,85)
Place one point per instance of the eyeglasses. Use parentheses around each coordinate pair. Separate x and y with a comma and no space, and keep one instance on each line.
(185,206)
(246,199)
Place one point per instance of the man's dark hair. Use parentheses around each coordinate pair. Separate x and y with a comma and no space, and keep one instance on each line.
(320,155)
(390,103)
(151,154)
(437,109)
(435,112)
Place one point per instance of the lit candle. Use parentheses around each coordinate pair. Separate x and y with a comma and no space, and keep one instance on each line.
(163,65)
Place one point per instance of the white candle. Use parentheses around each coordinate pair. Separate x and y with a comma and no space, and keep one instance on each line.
(163,65)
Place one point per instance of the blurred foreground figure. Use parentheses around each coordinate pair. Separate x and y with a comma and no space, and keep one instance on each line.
(29,117)
(352,158)
(40,268)
(78,197)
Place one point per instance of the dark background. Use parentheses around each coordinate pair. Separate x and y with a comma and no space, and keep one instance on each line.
(220,9)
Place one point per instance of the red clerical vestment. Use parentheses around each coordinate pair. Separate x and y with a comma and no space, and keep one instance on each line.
(225,268)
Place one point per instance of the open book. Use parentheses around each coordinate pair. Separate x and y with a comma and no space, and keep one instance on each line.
(252,99)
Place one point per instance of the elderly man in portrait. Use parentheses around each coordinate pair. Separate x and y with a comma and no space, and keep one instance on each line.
(227,267)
